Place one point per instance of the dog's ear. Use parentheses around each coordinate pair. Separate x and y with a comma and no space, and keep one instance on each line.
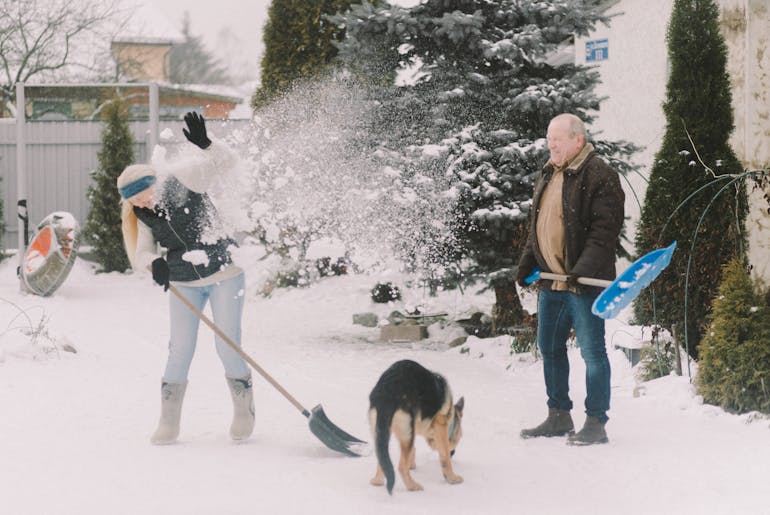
(460,404)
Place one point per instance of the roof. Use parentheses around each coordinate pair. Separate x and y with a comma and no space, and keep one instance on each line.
(223,93)
(134,40)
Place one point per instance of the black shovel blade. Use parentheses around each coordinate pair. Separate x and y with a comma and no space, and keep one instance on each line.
(332,436)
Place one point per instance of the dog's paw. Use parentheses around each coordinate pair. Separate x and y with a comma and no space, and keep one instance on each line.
(453,479)
(377,481)
(414,486)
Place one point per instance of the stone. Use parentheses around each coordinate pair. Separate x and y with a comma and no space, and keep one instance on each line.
(403,333)
(365,319)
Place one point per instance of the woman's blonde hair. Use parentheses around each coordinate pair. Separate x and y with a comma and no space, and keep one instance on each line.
(129,221)
(130,227)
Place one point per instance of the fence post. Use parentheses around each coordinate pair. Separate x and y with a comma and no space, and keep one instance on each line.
(154,119)
(21,176)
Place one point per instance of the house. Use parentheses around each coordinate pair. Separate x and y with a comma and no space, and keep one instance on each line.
(84,101)
(631,57)
(62,144)
(141,58)
(141,52)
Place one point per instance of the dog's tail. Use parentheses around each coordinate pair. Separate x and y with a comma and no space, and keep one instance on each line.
(381,440)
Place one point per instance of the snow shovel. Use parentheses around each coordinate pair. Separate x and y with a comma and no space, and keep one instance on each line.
(619,293)
(320,425)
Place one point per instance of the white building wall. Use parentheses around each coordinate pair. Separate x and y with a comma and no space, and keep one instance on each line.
(634,83)
(634,80)
(752,109)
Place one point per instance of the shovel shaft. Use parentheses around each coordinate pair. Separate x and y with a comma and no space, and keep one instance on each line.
(588,281)
(240,352)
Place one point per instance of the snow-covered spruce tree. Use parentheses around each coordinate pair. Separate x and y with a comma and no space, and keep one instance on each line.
(481,98)
(697,106)
(298,44)
(734,365)
(102,228)
(191,63)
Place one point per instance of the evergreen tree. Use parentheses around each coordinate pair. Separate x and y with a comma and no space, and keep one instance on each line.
(484,96)
(299,43)
(697,106)
(103,225)
(734,366)
(191,63)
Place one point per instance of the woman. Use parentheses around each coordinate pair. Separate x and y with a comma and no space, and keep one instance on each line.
(175,214)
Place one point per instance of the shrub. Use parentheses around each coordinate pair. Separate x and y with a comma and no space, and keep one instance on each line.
(385,292)
(734,369)
(656,361)
(103,224)
(523,340)
(326,267)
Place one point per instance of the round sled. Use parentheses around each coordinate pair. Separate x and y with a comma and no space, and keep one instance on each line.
(51,253)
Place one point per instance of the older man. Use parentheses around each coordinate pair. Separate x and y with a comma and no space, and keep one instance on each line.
(577,215)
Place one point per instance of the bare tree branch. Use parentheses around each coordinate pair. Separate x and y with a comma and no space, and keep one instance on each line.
(42,39)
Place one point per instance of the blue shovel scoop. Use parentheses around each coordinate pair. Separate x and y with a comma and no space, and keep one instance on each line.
(619,293)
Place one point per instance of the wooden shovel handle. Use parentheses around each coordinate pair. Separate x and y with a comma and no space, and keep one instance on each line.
(588,281)
(237,349)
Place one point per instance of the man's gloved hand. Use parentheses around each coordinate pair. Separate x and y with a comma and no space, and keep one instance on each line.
(160,273)
(572,282)
(521,275)
(197,130)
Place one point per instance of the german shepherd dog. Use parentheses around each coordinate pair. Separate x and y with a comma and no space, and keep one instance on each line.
(409,399)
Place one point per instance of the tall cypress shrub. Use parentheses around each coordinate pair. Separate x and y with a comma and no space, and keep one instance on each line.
(103,226)
(698,103)
(299,43)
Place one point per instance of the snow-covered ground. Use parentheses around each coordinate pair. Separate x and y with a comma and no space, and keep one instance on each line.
(75,427)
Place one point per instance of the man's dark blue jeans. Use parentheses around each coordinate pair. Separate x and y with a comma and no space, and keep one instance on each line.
(557,313)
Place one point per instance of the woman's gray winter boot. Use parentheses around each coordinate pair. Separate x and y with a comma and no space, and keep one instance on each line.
(243,408)
(171,397)
(558,423)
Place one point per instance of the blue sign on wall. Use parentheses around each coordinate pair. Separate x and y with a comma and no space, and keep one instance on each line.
(597,50)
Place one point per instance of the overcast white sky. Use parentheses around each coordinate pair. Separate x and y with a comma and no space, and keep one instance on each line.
(232,29)
(245,18)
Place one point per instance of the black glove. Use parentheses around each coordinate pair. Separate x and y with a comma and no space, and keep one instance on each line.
(572,282)
(197,130)
(160,273)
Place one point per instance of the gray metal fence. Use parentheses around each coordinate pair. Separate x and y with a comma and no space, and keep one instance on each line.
(60,155)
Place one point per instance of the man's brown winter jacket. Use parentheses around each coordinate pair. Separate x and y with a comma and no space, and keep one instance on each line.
(592,202)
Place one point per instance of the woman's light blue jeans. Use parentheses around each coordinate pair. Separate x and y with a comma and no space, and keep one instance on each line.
(226,299)
(557,313)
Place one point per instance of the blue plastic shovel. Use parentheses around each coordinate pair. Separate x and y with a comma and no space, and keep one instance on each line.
(619,293)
